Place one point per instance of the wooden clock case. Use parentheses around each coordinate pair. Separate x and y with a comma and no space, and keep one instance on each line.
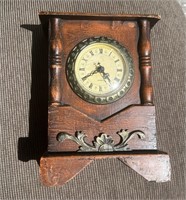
(70,118)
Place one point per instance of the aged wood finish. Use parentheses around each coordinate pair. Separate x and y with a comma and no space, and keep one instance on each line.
(144,48)
(55,61)
(68,113)
(58,169)
(69,120)
(46,15)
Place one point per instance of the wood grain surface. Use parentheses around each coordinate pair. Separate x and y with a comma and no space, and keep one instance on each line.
(57,169)
(69,120)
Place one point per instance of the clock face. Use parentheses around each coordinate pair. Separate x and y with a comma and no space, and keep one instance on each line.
(100,70)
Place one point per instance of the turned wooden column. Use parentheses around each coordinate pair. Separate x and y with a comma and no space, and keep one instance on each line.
(55,61)
(144,49)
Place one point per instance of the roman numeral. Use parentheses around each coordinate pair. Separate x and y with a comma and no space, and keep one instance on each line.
(85,59)
(116,79)
(100,88)
(101,50)
(110,53)
(91,52)
(81,69)
(90,86)
(116,61)
(119,70)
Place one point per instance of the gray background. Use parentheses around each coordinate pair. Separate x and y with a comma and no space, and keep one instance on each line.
(23,99)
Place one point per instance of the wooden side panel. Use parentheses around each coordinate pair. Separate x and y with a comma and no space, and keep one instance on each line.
(67,119)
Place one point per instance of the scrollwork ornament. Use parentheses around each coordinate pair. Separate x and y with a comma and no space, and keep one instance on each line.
(103,142)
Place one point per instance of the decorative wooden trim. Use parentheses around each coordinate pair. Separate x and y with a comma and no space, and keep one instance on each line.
(55,61)
(144,48)
(46,15)
(103,142)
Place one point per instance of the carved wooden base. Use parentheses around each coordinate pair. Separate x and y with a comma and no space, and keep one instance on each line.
(58,168)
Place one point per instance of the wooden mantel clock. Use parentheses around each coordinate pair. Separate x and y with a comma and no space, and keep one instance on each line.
(100,95)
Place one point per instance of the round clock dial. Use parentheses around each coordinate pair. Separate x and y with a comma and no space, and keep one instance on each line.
(100,70)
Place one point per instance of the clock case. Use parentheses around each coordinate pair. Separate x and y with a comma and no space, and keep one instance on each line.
(80,132)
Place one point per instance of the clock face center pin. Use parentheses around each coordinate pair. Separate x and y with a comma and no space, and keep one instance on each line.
(100,68)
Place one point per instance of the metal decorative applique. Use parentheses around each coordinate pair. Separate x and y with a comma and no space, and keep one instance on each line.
(103,142)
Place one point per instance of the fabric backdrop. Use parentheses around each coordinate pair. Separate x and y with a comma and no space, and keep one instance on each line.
(23,98)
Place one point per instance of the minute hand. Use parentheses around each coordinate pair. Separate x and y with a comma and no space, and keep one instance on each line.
(90,74)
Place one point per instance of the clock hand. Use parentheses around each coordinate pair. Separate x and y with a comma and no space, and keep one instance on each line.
(103,78)
(101,70)
(90,74)
(106,76)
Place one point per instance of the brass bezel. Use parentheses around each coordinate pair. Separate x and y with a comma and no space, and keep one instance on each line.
(72,80)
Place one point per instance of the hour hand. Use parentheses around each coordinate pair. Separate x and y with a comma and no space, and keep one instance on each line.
(106,76)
